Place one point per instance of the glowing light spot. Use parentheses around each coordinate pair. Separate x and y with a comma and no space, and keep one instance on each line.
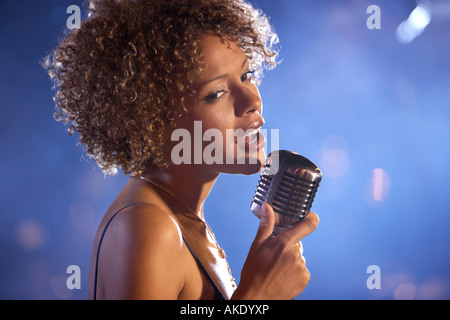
(405,291)
(31,235)
(377,188)
(433,289)
(420,17)
(412,27)
(378,185)
(334,160)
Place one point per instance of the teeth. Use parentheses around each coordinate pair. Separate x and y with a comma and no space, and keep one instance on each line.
(252,136)
(251,133)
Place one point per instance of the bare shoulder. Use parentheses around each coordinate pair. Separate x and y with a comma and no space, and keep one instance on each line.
(147,223)
(140,255)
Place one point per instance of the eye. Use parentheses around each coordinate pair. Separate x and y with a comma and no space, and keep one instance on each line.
(214,96)
(248,76)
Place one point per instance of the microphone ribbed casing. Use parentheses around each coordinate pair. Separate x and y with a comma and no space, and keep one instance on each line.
(288,182)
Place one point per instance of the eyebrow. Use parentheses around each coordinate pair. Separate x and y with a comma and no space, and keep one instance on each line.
(224,76)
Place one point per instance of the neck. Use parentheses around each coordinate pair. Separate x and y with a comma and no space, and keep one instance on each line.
(187,182)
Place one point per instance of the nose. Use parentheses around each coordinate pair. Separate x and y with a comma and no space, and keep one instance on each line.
(249,101)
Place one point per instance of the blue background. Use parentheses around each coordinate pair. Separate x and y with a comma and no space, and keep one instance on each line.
(357,102)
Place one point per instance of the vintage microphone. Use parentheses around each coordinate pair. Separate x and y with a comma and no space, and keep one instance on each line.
(289,184)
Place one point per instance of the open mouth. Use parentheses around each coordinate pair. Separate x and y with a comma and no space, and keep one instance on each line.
(252,140)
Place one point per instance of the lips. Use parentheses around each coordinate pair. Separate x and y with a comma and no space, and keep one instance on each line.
(252,139)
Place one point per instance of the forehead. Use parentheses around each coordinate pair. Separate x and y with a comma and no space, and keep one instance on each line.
(220,54)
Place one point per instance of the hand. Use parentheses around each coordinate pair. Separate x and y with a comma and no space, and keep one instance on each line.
(275,268)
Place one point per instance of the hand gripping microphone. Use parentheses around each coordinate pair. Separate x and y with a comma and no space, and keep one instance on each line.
(288,182)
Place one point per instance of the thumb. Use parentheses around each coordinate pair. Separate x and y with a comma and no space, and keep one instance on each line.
(266,224)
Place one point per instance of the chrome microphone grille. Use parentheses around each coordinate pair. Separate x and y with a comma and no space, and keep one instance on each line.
(288,183)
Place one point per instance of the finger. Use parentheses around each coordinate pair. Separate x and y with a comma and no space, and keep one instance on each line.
(301,229)
(266,224)
(299,246)
(301,252)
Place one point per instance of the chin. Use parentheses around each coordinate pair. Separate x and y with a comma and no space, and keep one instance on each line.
(244,169)
(247,166)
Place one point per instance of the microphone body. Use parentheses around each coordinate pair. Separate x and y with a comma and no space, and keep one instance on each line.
(288,183)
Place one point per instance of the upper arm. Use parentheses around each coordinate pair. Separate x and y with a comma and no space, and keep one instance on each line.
(140,256)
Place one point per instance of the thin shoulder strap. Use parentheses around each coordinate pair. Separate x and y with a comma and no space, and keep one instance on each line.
(101,239)
(219,295)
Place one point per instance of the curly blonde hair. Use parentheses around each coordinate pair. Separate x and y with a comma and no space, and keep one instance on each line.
(127,73)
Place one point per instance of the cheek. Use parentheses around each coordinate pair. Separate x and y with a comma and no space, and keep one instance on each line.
(217,115)
(217,122)
(208,130)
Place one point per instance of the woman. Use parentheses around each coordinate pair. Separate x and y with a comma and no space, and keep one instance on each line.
(134,75)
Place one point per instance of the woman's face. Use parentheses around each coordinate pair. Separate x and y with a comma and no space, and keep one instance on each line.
(226,114)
